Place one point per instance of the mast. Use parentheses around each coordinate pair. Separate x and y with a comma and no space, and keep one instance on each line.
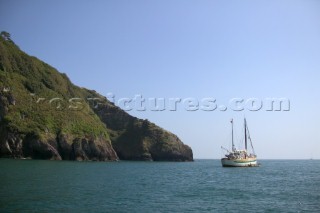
(232,134)
(245,134)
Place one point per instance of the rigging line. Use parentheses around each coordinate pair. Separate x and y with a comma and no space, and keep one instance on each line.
(251,145)
(250,140)
(240,145)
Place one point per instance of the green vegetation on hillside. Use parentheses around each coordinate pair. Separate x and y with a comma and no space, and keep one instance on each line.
(43,115)
(42,97)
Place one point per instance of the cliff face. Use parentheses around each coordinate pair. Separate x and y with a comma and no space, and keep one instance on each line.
(136,139)
(35,144)
(44,116)
(37,119)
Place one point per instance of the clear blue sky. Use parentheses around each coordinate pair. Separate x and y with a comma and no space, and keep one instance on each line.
(219,49)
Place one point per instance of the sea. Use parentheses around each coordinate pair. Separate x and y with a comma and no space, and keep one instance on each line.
(126,186)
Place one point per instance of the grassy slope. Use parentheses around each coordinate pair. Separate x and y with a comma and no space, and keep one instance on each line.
(30,80)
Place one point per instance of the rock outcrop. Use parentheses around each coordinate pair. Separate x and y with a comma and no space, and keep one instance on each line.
(137,139)
(19,145)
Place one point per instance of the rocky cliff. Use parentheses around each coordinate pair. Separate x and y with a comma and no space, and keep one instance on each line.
(136,139)
(44,116)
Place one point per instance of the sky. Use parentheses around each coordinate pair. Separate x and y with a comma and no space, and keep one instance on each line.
(195,51)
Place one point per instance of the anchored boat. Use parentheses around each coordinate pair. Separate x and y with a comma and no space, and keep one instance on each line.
(238,157)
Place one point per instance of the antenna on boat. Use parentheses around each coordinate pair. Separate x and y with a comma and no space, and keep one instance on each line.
(233,148)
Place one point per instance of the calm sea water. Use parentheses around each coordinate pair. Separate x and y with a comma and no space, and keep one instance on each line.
(200,186)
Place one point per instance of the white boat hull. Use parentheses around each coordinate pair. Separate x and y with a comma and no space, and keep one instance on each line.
(239,162)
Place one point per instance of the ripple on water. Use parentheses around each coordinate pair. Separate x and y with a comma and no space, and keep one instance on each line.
(200,186)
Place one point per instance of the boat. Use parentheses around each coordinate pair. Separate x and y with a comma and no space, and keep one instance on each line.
(240,157)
